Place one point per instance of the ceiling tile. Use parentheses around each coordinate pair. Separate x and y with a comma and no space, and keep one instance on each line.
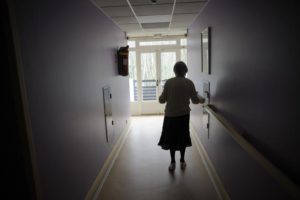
(125,20)
(179,24)
(123,11)
(154,18)
(186,8)
(184,14)
(147,10)
(183,18)
(130,27)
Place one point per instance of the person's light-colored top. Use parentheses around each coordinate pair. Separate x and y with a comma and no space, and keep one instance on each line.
(178,92)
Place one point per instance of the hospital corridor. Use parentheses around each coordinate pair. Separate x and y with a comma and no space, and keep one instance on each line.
(93,89)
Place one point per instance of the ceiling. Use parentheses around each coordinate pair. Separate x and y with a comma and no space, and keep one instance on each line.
(151,17)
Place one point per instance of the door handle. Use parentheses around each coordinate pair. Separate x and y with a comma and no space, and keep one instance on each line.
(156,83)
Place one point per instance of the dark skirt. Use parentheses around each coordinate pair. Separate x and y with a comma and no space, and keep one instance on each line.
(175,133)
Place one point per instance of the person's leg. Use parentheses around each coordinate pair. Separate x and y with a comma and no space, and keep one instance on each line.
(172,165)
(182,153)
(182,161)
(172,153)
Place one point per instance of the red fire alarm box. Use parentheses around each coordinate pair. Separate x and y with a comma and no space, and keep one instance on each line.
(123,53)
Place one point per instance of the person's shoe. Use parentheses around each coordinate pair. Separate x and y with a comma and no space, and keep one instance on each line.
(172,166)
(182,165)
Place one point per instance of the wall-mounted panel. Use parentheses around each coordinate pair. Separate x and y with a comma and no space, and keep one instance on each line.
(109,122)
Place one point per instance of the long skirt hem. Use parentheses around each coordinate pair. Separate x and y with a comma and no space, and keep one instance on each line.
(175,133)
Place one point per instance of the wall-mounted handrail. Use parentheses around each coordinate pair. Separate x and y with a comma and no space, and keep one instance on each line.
(289,185)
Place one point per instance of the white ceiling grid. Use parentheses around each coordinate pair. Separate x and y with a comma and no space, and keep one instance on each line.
(143,18)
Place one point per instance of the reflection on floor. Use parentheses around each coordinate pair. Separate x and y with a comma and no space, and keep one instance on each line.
(141,170)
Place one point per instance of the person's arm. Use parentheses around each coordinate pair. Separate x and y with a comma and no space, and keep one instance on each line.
(163,97)
(195,97)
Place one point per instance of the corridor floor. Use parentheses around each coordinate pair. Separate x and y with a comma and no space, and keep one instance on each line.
(141,169)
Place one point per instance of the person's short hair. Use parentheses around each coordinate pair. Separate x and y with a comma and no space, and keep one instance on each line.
(180,68)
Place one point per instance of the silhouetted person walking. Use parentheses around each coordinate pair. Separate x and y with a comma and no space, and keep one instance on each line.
(177,93)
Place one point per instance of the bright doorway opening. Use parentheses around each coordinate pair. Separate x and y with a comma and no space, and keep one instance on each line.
(151,63)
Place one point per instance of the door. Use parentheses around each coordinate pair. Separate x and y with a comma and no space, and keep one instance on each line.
(151,63)
(149,82)
(156,67)
(167,61)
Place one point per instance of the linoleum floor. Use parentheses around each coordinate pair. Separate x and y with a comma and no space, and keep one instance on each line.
(141,169)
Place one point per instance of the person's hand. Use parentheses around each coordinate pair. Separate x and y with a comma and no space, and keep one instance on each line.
(201,99)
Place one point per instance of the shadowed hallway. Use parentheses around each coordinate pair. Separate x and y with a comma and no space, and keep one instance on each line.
(59,56)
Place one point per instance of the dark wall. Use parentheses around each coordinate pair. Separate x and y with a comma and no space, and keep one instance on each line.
(17,169)
(68,54)
(254,84)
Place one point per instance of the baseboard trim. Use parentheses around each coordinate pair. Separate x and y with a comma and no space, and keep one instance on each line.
(214,177)
(95,190)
